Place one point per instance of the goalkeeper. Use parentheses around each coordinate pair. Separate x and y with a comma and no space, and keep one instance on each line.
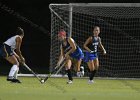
(69,49)
(91,57)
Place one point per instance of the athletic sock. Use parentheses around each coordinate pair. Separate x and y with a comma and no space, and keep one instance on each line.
(13,70)
(15,75)
(69,74)
(92,74)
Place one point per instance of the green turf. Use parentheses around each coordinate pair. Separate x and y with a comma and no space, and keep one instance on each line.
(57,89)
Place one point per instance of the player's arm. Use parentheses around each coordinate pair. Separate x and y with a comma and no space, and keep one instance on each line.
(72,45)
(101,46)
(18,51)
(86,44)
(16,56)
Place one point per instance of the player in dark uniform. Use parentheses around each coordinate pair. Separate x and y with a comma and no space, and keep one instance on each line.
(91,56)
(70,50)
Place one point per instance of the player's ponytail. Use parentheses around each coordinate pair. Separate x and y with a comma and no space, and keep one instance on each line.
(20,31)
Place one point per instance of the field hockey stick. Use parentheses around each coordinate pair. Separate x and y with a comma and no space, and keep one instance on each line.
(60,68)
(25,65)
(61,62)
(54,71)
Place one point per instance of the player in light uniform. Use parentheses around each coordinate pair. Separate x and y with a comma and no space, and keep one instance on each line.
(91,56)
(70,50)
(10,50)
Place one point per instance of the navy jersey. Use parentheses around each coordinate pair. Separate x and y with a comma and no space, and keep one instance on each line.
(94,44)
(77,54)
(66,47)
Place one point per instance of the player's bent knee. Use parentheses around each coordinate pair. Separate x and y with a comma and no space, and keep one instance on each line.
(16,63)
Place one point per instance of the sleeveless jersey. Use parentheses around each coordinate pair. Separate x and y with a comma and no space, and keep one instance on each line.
(66,47)
(94,44)
(11,42)
(77,54)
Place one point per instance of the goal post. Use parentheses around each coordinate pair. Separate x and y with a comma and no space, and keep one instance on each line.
(120,27)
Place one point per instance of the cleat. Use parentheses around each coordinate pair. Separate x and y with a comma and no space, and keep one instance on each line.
(69,82)
(8,79)
(90,82)
(78,74)
(15,81)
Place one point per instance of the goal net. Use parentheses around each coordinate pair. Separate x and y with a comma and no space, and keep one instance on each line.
(120,27)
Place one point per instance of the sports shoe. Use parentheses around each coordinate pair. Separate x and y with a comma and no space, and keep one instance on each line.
(78,74)
(14,80)
(69,82)
(90,81)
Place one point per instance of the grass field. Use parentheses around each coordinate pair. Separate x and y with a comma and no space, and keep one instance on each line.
(57,89)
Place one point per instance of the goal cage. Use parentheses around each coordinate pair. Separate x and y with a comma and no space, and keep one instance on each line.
(120,27)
